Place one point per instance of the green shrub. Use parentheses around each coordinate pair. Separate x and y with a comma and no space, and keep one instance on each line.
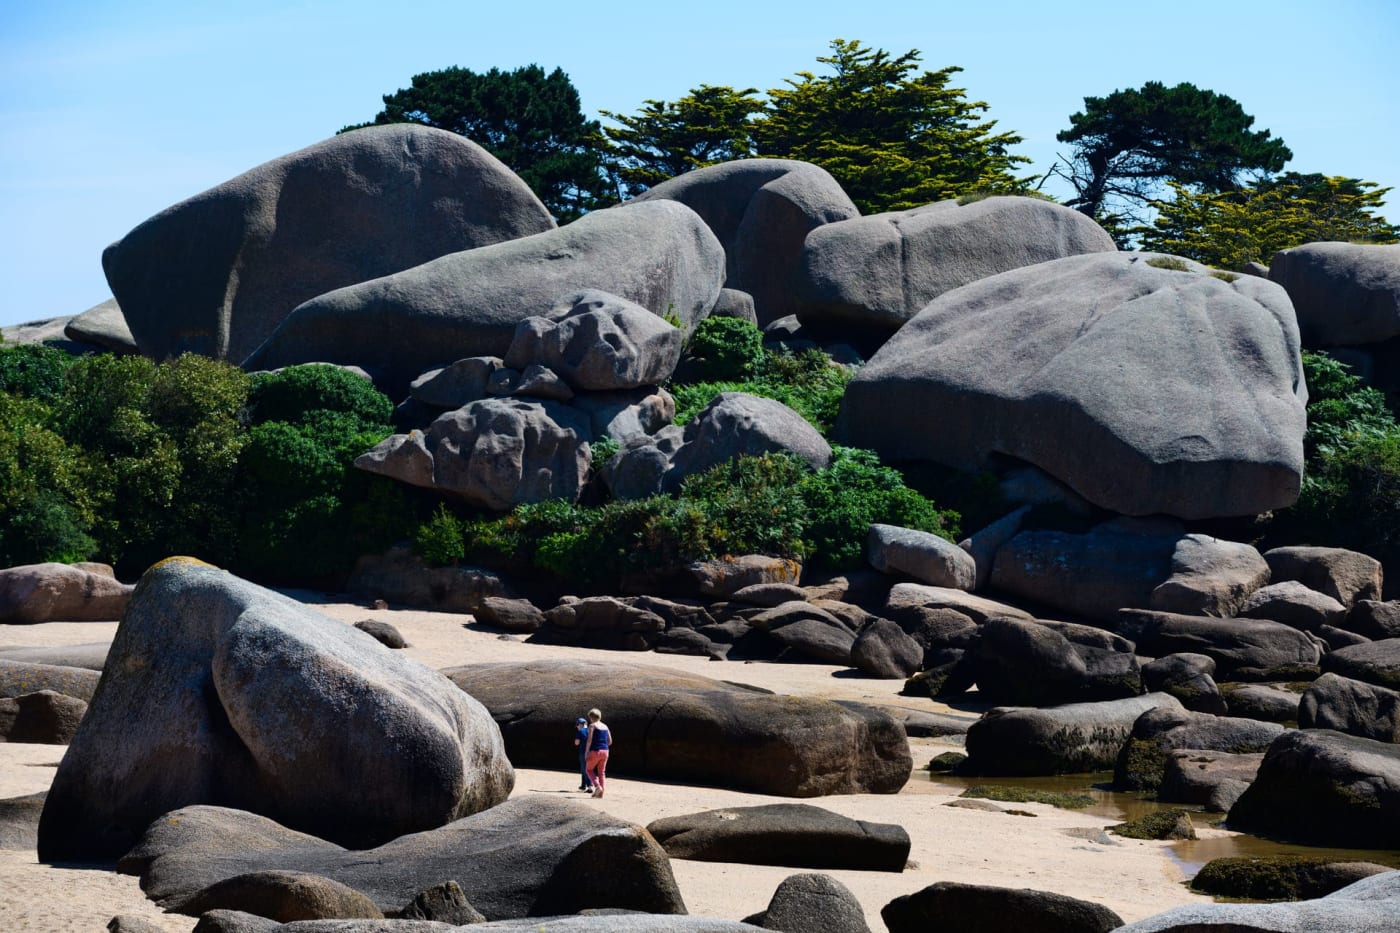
(33,371)
(302,394)
(853,493)
(730,348)
(805,382)
(441,540)
(1168,262)
(1341,408)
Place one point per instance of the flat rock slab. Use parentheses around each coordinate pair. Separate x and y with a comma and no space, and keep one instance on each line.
(1245,649)
(794,834)
(536,857)
(90,655)
(668,726)
(20,677)
(978,908)
(222,692)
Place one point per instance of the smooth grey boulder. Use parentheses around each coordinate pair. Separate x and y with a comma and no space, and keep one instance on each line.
(1351,706)
(920,554)
(1367,906)
(383,632)
(1345,294)
(979,908)
(494,454)
(1321,787)
(600,622)
(400,576)
(55,592)
(513,615)
(904,597)
(667,723)
(1059,740)
(103,325)
(598,342)
(1243,649)
(1374,619)
(1376,662)
(1346,576)
(762,211)
(1271,702)
(217,273)
(734,425)
(877,272)
(1210,577)
(1146,390)
(882,649)
(1036,663)
(1115,565)
(219,691)
(812,902)
(457,384)
(1210,779)
(658,255)
(769,595)
(625,415)
(1189,678)
(19,821)
(797,835)
(540,856)
(725,576)
(736,304)
(40,718)
(1157,732)
(1292,603)
(982,545)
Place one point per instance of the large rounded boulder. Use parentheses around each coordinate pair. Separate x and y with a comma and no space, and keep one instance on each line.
(1146,388)
(762,210)
(217,273)
(658,255)
(877,272)
(217,691)
(1344,293)
(667,725)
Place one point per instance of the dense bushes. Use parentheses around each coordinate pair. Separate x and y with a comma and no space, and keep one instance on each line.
(127,461)
(772,504)
(806,382)
(1351,486)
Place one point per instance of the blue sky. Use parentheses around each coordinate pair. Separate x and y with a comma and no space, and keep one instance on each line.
(112,111)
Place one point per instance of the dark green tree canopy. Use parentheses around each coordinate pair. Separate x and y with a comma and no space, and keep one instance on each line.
(530,120)
(892,136)
(663,140)
(1128,144)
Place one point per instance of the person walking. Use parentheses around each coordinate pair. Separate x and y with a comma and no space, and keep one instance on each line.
(597,743)
(581,743)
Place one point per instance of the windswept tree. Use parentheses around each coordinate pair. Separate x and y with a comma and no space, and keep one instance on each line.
(1229,229)
(664,139)
(1127,145)
(530,120)
(892,136)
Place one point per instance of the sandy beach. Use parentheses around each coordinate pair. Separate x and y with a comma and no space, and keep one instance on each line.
(1047,851)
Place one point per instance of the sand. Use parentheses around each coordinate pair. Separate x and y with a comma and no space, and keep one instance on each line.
(1134,878)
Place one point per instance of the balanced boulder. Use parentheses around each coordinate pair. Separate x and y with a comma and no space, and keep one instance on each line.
(920,554)
(877,272)
(217,273)
(1346,576)
(219,691)
(659,255)
(1145,389)
(762,211)
(667,724)
(1210,577)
